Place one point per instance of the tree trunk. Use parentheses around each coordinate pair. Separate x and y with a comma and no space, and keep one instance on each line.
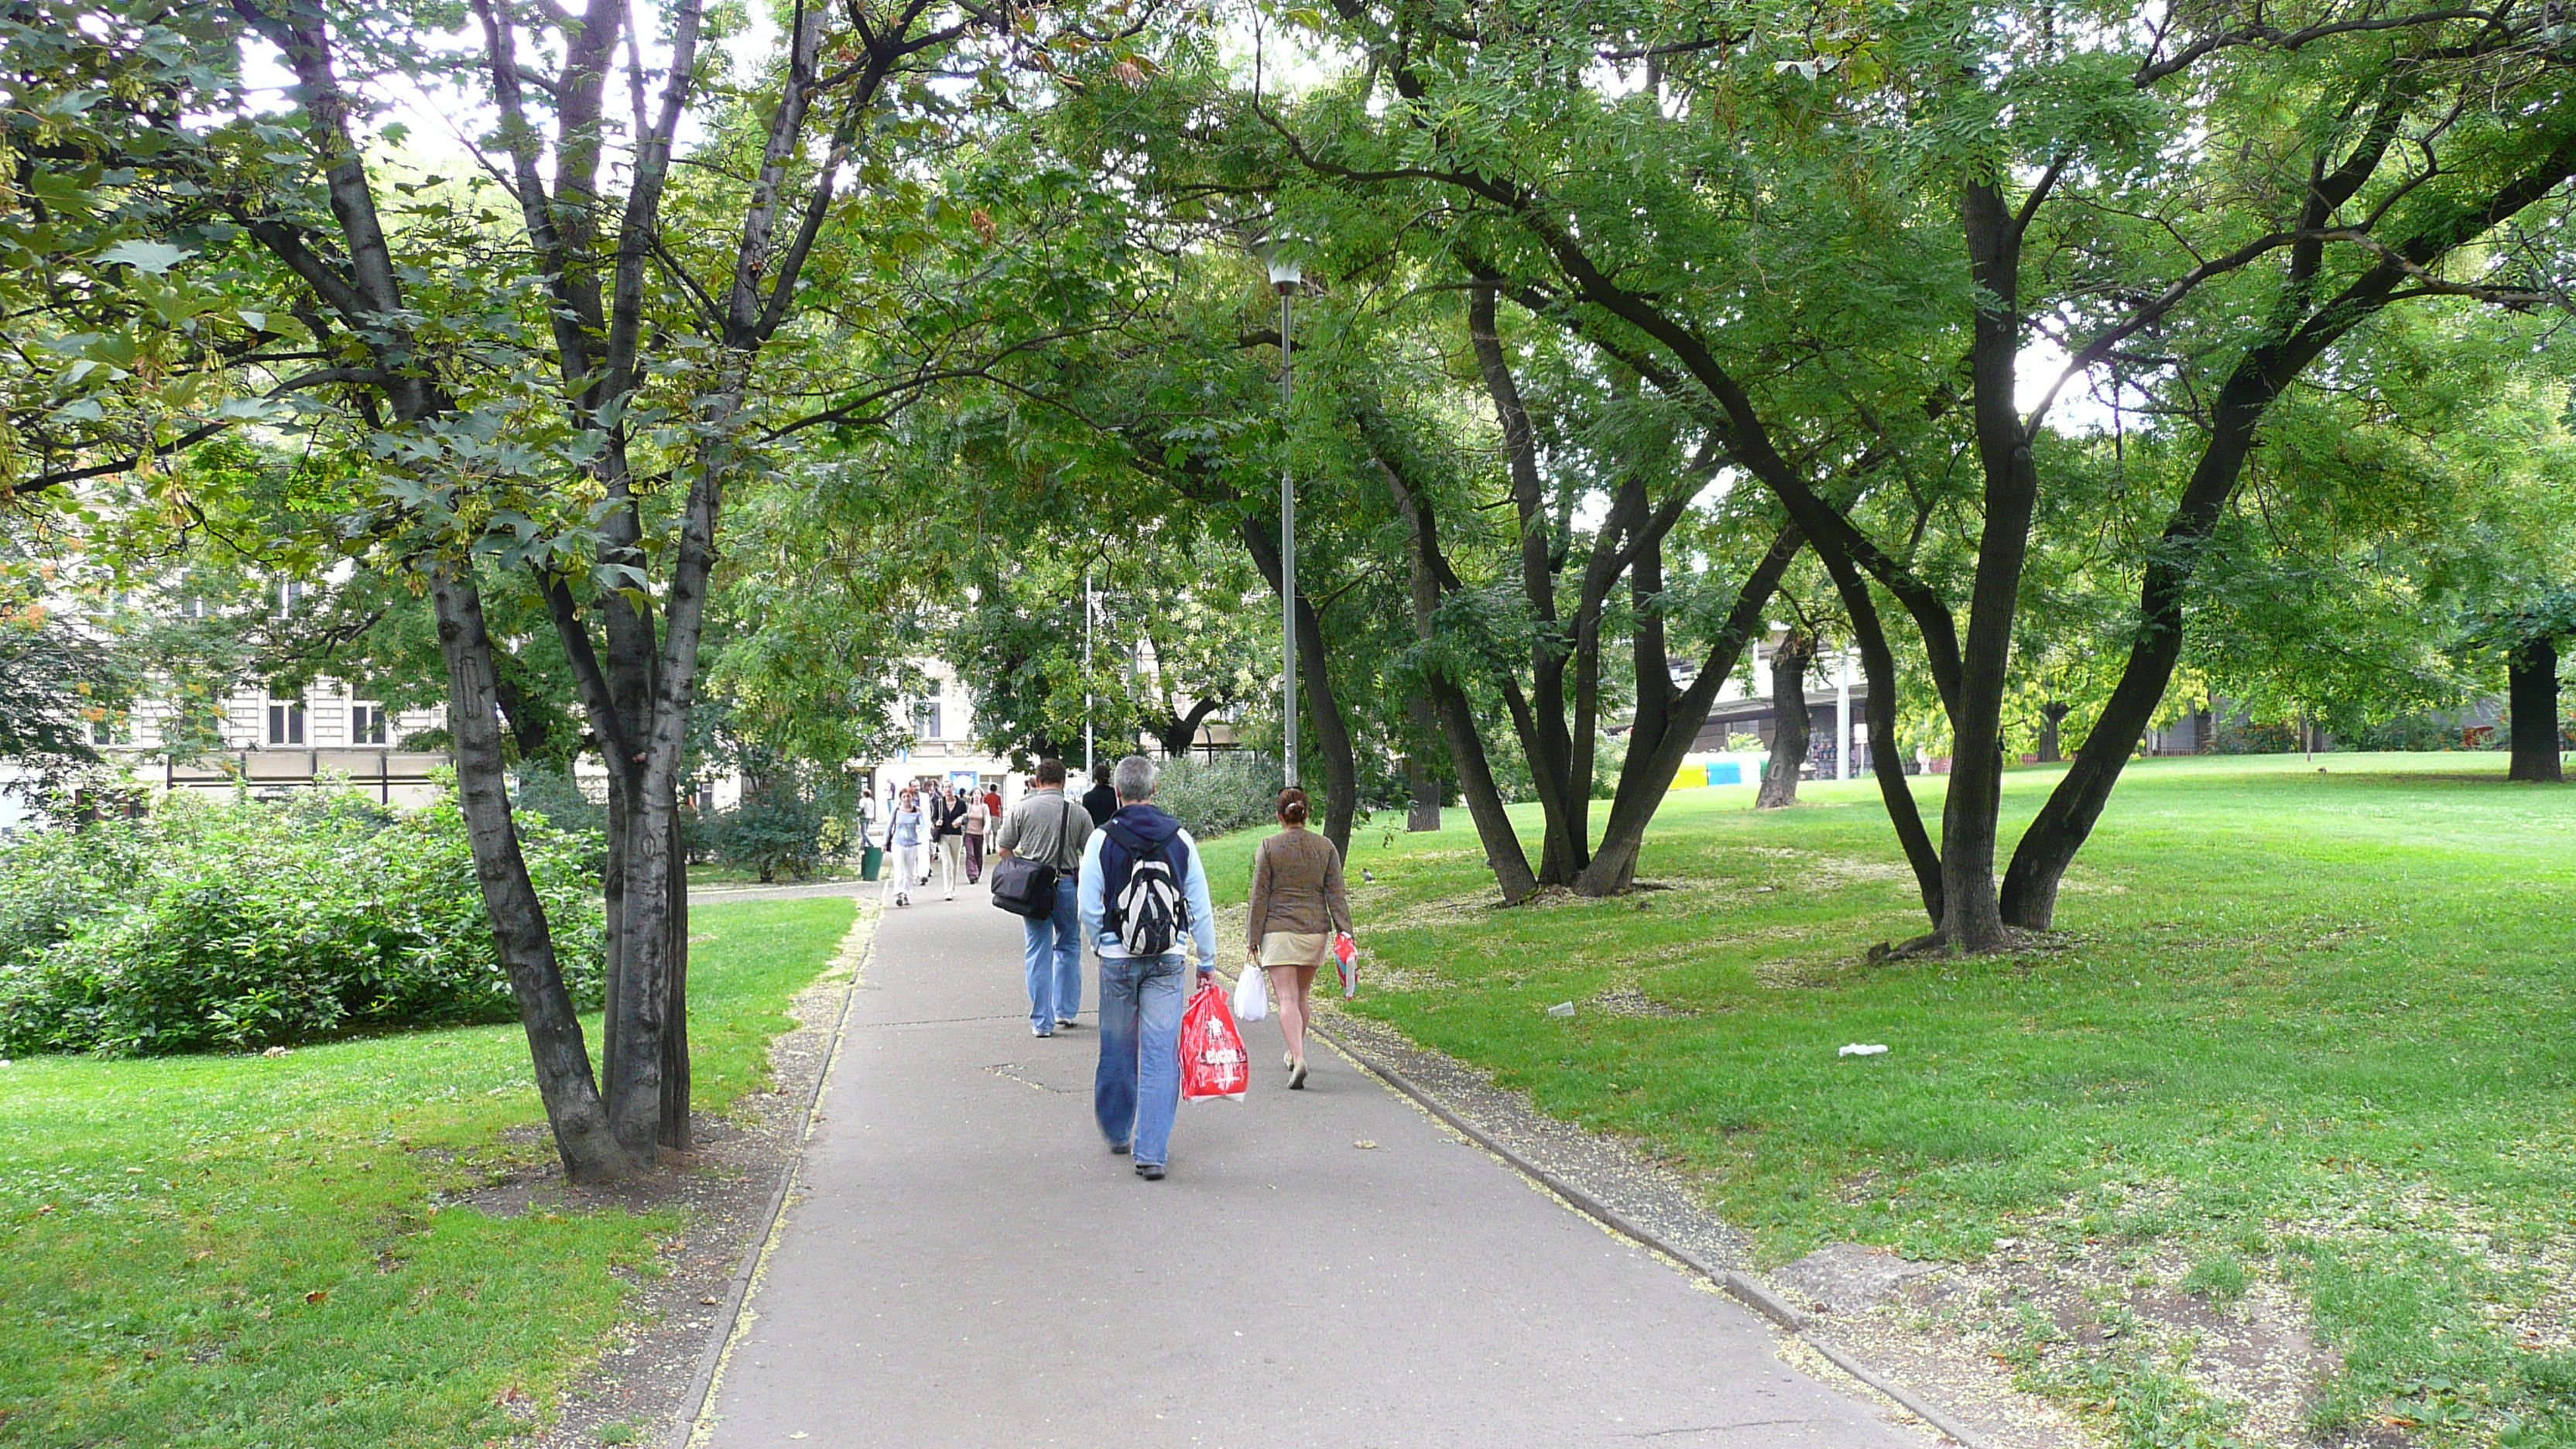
(520,935)
(1878,711)
(1972,915)
(1178,731)
(2066,820)
(1331,733)
(1561,758)
(2051,715)
(2531,689)
(678,1132)
(1458,725)
(1668,724)
(1422,784)
(2063,824)
(1790,724)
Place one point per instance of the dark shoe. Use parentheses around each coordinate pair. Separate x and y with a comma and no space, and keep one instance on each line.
(1121,1149)
(1150,1171)
(1297,1077)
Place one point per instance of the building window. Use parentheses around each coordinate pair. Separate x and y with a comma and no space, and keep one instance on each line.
(193,607)
(110,731)
(366,724)
(285,723)
(925,720)
(291,594)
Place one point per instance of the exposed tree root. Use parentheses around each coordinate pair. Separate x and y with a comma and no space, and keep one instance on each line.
(2016,942)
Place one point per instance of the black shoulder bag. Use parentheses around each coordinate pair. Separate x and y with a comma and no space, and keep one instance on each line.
(1025,887)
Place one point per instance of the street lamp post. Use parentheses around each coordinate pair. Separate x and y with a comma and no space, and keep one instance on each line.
(1285,274)
(1087,607)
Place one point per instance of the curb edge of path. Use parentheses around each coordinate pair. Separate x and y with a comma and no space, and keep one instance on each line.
(1742,1286)
(856,951)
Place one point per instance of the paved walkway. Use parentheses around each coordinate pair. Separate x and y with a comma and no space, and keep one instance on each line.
(965,1264)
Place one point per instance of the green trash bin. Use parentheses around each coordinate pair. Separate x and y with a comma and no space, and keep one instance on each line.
(871,860)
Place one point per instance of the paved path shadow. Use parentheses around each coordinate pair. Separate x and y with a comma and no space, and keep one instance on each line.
(964,1263)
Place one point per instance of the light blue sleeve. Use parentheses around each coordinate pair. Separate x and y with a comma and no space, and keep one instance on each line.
(1202,911)
(1087,897)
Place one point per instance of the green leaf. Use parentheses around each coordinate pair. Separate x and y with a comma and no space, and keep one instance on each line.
(144,256)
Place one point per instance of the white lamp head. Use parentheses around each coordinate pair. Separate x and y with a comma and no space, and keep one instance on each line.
(1285,272)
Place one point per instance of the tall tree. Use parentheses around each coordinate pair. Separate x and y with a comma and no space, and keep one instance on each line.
(570,404)
(2410,139)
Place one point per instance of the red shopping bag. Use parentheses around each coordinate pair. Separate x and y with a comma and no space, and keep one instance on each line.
(1213,1062)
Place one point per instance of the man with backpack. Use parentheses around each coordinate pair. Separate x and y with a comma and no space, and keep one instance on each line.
(1050,830)
(1144,898)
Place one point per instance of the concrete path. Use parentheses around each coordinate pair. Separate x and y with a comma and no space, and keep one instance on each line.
(965,1263)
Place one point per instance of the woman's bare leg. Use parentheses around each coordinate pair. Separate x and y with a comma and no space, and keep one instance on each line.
(1305,1006)
(1292,1020)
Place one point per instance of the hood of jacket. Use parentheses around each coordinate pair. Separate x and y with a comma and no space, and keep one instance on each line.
(1152,824)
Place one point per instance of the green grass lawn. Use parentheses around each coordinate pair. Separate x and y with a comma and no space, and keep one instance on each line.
(741,875)
(238,1251)
(2305,1026)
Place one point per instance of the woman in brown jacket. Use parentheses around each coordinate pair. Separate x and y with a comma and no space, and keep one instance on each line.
(1297,905)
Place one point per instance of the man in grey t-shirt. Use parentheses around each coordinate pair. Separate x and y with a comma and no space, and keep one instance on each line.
(1047,827)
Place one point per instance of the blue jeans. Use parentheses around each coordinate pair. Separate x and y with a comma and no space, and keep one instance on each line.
(1138,1087)
(1053,960)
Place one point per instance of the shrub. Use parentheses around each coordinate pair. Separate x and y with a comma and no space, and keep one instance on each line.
(2424,730)
(249,923)
(2254,737)
(552,797)
(1211,797)
(777,829)
(556,798)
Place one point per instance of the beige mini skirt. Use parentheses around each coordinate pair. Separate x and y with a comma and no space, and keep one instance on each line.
(1295,948)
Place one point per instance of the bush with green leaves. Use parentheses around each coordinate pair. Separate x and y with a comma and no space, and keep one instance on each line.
(212,925)
(1230,792)
(782,828)
(552,797)
(2254,737)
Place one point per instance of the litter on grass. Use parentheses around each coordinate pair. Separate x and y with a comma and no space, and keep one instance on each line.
(1858,1049)
(1562,1008)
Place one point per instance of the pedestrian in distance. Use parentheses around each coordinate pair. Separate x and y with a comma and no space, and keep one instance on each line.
(1297,904)
(947,835)
(1144,899)
(1052,830)
(1101,799)
(979,818)
(905,832)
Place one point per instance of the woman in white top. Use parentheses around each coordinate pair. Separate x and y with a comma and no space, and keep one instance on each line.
(906,831)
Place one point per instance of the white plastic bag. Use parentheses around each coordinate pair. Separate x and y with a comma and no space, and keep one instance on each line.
(1252,994)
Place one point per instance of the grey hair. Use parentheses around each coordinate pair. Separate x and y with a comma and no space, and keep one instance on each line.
(1134,779)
